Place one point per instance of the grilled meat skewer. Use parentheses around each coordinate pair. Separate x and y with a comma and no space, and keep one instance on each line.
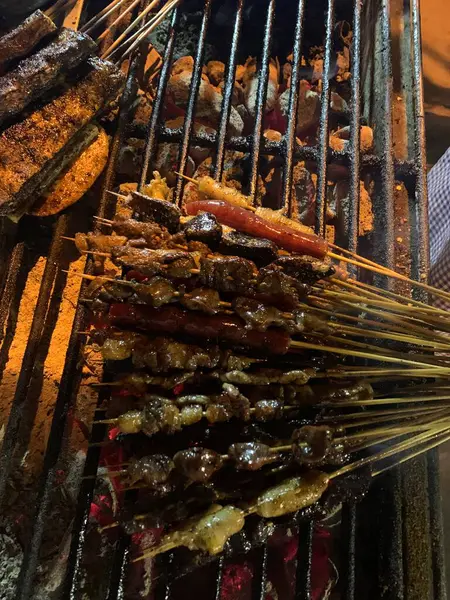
(174,321)
(162,354)
(261,403)
(311,445)
(157,292)
(21,40)
(37,74)
(29,156)
(210,531)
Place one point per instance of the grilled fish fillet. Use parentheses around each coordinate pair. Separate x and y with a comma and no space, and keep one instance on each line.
(30,150)
(37,74)
(22,39)
(76,181)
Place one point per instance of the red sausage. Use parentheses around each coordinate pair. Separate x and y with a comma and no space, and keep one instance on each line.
(246,222)
(172,320)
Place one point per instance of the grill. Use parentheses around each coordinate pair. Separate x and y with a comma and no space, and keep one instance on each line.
(390,544)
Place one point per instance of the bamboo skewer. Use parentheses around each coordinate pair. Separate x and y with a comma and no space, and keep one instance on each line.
(114,24)
(101,16)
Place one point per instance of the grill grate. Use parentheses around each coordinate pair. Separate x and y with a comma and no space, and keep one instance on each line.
(388,499)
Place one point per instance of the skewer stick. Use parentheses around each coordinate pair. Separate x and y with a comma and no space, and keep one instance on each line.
(401,400)
(131,26)
(433,444)
(347,352)
(370,266)
(375,292)
(144,31)
(114,194)
(122,15)
(401,447)
(101,16)
(249,207)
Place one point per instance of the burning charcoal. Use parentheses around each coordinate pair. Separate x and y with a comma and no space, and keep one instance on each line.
(130,158)
(153,470)
(338,104)
(262,252)
(250,81)
(209,103)
(162,212)
(311,444)
(308,107)
(267,410)
(215,71)
(304,192)
(204,228)
(341,204)
(160,414)
(196,153)
(166,161)
(198,464)
(340,139)
(251,456)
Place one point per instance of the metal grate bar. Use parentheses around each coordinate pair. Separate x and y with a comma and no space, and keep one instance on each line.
(66,396)
(355,129)
(261,96)
(348,567)
(436,528)
(116,589)
(260,573)
(290,135)
(34,341)
(321,199)
(385,212)
(152,135)
(193,95)
(219,577)
(304,561)
(421,195)
(228,93)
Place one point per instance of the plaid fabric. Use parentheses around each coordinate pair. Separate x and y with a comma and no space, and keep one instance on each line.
(439,222)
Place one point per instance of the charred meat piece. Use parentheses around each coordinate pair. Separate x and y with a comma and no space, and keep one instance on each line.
(159,211)
(152,470)
(171,320)
(29,156)
(266,377)
(268,410)
(304,268)
(152,234)
(175,264)
(165,354)
(198,464)
(203,299)
(260,251)
(77,180)
(260,316)
(227,274)
(204,228)
(160,414)
(251,456)
(272,281)
(38,73)
(230,404)
(311,445)
(22,39)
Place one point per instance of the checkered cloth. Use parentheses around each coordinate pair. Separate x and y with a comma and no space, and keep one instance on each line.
(439,222)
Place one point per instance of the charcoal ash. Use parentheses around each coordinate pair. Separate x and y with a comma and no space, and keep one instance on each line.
(11,556)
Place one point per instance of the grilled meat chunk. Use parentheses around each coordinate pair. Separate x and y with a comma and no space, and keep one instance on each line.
(152,470)
(198,464)
(77,180)
(227,274)
(32,150)
(311,445)
(37,74)
(204,228)
(251,456)
(22,39)
(260,251)
(304,268)
(160,211)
